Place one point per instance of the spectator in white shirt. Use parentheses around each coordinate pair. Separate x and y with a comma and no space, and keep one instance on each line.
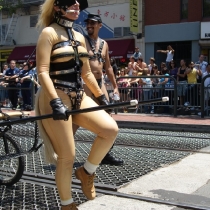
(137,54)
(170,54)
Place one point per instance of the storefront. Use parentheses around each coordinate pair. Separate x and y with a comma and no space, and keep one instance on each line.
(23,54)
(205,40)
(4,54)
(121,49)
(183,37)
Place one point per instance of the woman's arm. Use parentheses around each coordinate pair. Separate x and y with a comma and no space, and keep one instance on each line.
(43,50)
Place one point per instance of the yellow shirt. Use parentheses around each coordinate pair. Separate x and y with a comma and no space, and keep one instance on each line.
(192,76)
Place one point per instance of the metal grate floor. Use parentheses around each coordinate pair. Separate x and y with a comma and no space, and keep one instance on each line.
(138,162)
(31,196)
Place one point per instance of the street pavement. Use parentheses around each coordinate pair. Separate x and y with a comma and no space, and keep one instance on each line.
(186,182)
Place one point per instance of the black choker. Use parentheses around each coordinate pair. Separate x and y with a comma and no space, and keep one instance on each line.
(64,22)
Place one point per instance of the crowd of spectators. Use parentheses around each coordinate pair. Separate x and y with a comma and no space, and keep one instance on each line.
(16,84)
(187,76)
(137,80)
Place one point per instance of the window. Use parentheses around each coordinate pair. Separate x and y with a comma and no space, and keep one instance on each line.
(184,9)
(3,32)
(117,32)
(126,31)
(206,8)
(121,31)
(33,20)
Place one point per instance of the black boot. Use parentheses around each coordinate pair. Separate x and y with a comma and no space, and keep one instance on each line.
(109,159)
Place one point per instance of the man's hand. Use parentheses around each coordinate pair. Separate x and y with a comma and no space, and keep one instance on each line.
(116,91)
(103,101)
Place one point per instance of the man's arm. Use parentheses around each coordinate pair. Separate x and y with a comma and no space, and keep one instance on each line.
(109,71)
(162,51)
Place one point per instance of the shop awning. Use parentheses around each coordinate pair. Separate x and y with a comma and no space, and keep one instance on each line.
(123,48)
(22,54)
(205,43)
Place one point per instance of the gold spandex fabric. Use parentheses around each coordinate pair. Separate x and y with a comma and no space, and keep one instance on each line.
(58,136)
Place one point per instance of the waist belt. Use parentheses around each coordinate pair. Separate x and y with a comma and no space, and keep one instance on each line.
(60,82)
(62,72)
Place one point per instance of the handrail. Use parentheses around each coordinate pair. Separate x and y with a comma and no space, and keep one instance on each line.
(159,76)
(202,94)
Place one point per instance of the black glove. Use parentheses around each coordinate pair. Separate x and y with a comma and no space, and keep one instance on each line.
(103,101)
(59,110)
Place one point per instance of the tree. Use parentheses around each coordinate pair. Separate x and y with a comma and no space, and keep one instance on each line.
(10,6)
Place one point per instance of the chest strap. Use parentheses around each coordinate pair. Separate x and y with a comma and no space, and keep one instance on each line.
(97,55)
(64,44)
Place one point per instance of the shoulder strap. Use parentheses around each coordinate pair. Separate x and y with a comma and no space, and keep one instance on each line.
(101,44)
(88,38)
(97,55)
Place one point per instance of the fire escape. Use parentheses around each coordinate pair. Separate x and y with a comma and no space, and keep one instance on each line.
(8,26)
(7,32)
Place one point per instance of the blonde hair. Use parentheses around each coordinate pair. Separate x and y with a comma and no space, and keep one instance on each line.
(46,14)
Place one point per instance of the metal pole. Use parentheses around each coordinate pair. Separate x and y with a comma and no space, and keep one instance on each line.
(203,95)
(79,111)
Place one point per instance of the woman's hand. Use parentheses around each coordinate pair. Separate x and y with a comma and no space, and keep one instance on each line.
(59,110)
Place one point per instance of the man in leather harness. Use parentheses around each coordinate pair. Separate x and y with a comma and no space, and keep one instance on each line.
(99,59)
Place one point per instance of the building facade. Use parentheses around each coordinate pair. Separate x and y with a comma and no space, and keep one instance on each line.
(183,24)
(19,31)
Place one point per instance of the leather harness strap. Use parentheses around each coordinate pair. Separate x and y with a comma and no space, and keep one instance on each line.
(97,55)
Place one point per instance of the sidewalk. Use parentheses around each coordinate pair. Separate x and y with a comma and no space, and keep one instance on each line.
(184,182)
(180,183)
(191,123)
(158,118)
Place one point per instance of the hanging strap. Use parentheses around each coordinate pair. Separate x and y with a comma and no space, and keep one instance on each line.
(79,89)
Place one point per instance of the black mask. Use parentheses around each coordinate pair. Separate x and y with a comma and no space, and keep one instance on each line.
(65,4)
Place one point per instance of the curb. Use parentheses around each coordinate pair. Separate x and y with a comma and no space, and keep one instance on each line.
(164,126)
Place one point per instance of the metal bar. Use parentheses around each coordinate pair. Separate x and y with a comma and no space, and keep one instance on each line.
(153,200)
(203,95)
(163,148)
(151,147)
(75,183)
(79,111)
(157,134)
(51,183)
(159,76)
(14,155)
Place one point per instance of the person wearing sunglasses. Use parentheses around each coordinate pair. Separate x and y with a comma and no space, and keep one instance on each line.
(62,60)
(99,60)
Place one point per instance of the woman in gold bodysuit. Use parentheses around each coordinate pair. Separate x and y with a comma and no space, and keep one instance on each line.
(62,60)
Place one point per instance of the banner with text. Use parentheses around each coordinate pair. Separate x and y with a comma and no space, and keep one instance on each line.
(134,16)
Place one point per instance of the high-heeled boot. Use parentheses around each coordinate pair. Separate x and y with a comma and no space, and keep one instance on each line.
(71,206)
